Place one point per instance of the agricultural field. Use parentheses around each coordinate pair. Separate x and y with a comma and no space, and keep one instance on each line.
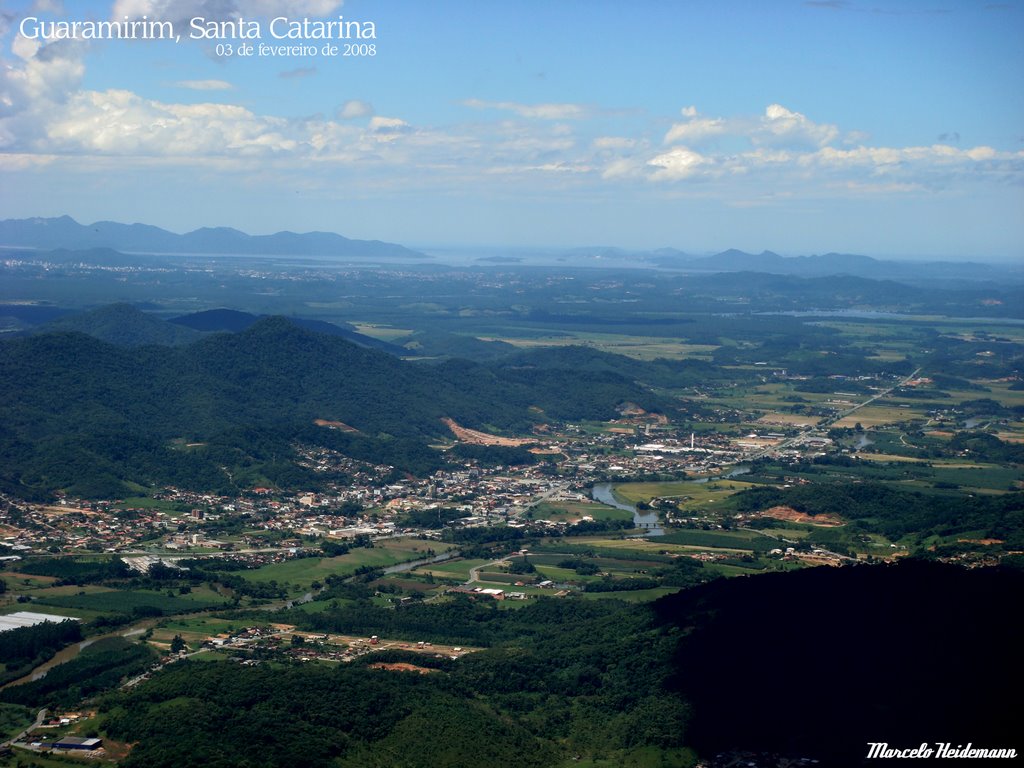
(301,572)
(455,569)
(636,347)
(735,540)
(565,511)
(380,331)
(104,600)
(687,494)
(634,595)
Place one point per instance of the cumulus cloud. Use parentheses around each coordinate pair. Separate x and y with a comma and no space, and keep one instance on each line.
(35,85)
(205,85)
(119,122)
(777,127)
(677,163)
(695,130)
(44,114)
(782,127)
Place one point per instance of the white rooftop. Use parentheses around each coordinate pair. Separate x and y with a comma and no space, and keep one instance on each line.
(29,619)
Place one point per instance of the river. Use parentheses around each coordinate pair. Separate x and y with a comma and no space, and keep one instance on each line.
(644,521)
(403,567)
(72,651)
(648,521)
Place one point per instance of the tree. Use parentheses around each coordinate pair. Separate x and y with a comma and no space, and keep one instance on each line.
(178,644)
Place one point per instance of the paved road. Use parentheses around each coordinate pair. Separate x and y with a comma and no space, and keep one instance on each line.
(844,414)
(824,423)
(474,572)
(40,717)
(557,488)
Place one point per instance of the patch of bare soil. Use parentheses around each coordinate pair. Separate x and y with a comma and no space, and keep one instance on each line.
(789,514)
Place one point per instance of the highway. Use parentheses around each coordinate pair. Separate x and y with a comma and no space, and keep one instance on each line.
(789,442)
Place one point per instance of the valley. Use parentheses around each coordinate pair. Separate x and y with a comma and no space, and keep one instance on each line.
(413,485)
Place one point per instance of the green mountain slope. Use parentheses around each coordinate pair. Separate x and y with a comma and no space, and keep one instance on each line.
(125,326)
(86,415)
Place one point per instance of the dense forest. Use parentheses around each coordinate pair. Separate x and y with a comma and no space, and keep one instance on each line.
(85,415)
(895,512)
(821,662)
(733,664)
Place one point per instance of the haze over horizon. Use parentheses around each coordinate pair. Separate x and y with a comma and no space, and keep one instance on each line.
(800,128)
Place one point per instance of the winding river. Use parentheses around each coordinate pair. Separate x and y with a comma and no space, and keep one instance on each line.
(646,521)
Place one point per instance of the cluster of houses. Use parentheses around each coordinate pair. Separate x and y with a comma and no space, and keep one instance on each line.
(374,500)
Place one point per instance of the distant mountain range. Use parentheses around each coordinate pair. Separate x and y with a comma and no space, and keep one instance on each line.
(65,232)
(823,265)
(66,241)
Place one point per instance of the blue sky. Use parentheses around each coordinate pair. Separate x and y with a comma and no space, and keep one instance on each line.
(885,128)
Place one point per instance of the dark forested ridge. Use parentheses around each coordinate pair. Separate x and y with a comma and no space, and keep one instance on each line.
(213,320)
(85,414)
(563,678)
(124,325)
(812,664)
(904,654)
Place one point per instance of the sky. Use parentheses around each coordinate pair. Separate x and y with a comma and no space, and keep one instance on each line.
(892,129)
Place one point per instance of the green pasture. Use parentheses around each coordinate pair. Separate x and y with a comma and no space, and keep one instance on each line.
(634,595)
(742,539)
(207,625)
(145,502)
(302,572)
(637,347)
(380,331)
(564,511)
(454,569)
(695,493)
(637,546)
(123,601)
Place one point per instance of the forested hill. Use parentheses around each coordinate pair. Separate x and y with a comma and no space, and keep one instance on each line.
(806,665)
(88,415)
(820,662)
(124,325)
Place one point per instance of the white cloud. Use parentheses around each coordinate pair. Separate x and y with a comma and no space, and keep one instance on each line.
(205,85)
(44,114)
(388,128)
(777,127)
(781,127)
(119,122)
(696,130)
(677,163)
(354,108)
